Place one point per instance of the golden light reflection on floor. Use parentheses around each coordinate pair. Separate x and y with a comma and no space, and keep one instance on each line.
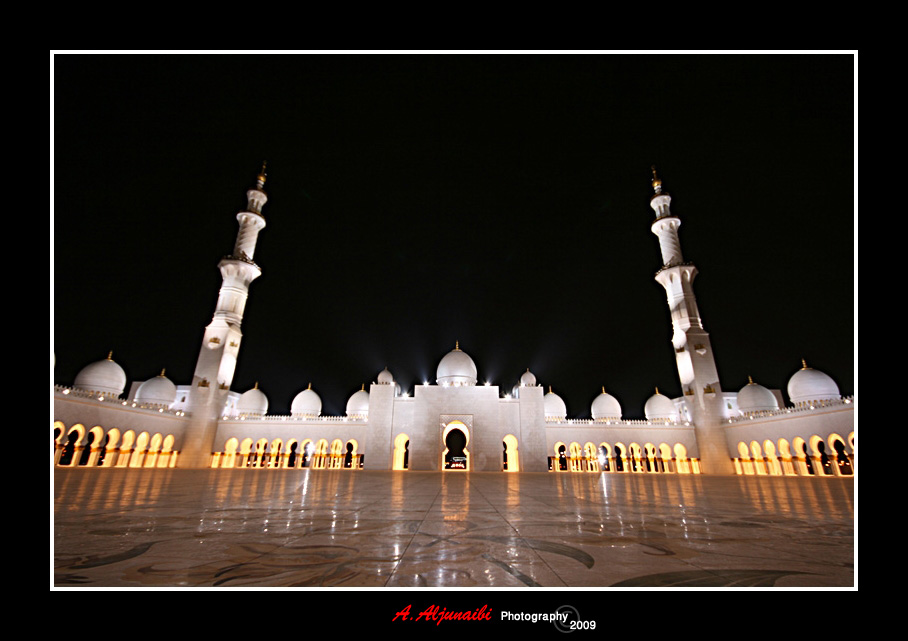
(340,528)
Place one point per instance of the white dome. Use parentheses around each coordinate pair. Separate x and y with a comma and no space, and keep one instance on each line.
(358,405)
(527,379)
(102,376)
(660,408)
(554,405)
(157,391)
(253,402)
(456,369)
(306,403)
(812,385)
(606,406)
(756,398)
(385,377)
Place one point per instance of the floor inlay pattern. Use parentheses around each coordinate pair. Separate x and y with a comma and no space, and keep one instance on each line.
(250,528)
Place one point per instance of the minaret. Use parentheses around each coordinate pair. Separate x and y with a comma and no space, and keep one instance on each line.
(221,341)
(693,351)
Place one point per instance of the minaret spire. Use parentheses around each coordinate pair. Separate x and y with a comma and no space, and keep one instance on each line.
(693,350)
(221,341)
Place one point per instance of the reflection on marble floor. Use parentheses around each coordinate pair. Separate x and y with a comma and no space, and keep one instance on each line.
(246,528)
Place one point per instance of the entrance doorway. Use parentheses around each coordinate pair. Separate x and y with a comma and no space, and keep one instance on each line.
(456,456)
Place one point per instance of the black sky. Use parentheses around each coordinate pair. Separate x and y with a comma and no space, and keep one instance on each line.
(417,200)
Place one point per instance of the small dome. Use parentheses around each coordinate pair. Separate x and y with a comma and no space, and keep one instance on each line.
(756,398)
(554,405)
(385,377)
(812,385)
(606,406)
(660,408)
(253,402)
(157,391)
(527,379)
(102,376)
(306,403)
(358,405)
(456,369)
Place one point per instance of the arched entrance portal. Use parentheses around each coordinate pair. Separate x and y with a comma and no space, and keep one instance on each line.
(510,462)
(456,456)
(401,455)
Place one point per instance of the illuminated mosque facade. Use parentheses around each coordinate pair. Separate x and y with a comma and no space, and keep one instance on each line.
(455,423)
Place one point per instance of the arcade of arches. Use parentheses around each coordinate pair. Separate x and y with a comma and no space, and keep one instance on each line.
(98,447)
(800,457)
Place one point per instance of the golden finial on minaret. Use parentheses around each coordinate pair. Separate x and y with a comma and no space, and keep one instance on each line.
(262,175)
(657,390)
(750,380)
(310,386)
(804,364)
(657,183)
(456,346)
(110,355)
(363,389)
(163,370)
(256,386)
(603,389)
(550,389)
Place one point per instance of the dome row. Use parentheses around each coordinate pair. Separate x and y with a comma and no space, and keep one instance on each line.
(456,369)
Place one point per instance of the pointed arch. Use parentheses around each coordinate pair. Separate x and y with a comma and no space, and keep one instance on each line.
(756,452)
(321,454)
(456,455)
(138,454)
(154,450)
(277,455)
(773,466)
(665,453)
(842,460)
(591,458)
(576,455)
(560,460)
(681,461)
(400,459)
(604,453)
(511,460)
(636,457)
(230,451)
(126,446)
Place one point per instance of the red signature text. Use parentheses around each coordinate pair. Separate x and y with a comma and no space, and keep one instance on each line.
(439,614)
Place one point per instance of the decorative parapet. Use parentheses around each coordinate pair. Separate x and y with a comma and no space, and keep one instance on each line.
(110,399)
(685,263)
(581,422)
(800,408)
(242,258)
(271,418)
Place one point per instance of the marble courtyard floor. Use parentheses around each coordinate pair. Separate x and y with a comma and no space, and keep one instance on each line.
(296,528)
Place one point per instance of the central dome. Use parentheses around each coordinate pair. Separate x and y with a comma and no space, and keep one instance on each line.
(456,369)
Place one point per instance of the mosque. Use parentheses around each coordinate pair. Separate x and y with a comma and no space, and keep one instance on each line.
(454,424)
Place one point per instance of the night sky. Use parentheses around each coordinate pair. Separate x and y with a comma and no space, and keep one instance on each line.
(417,200)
